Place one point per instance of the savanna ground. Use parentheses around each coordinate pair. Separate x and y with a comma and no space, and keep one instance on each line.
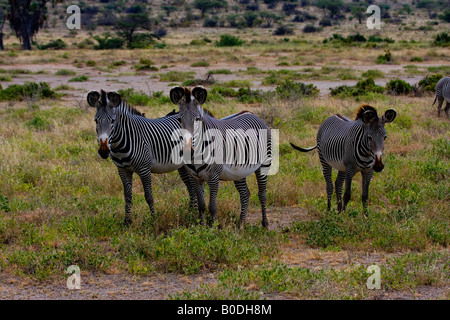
(61,205)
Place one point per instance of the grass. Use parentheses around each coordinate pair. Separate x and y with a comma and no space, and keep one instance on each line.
(82,78)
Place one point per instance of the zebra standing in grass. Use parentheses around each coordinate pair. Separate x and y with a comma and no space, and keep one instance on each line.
(443,93)
(137,144)
(237,146)
(351,147)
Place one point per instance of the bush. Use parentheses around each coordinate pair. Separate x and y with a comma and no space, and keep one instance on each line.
(210,22)
(416,59)
(398,87)
(429,82)
(442,39)
(105,42)
(291,89)
(79,79)
(134,98)
(28,89)
(54,45)
(361,88)
(142,41)
(309,28)
(283,30)
(227,40)
(325,22)
(385,58)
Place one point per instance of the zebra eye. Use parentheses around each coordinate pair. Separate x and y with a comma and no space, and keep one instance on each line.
(96,121)
(198,119)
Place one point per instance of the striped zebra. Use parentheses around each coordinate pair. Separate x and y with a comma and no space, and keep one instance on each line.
(229,149)
(443,93)
(137,145)
(351,147)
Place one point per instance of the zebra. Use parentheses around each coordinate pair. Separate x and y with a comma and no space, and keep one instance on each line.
(243,133)
(443,93)
(137,145)
(351,147)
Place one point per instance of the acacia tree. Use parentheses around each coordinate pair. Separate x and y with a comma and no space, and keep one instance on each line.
(136,17)
(3,14)
(26,17)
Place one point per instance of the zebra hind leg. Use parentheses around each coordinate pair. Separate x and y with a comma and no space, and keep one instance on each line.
(440,102)
(262,187)
(349,174)
(447,108)
(213,190)
(127,181)
(338,185)
(244,195)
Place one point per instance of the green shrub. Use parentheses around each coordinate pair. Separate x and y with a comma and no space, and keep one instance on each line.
(227,40)
(363,87)
(65,72)
(177,76)
(91,63)
(38,123)
(398,87)
(145,64)
(374,74)
(384,58)
(442,39)
(200,64)
(28,89)
(416,59)
(106,42)
(54,45)
(429,82)
(290,89)
(79,79)
(134,98)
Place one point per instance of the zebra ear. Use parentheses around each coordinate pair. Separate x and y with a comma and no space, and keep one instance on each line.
(92,98)
(176,94)
(389,115)
(369,116)
(114,99)
(200,94)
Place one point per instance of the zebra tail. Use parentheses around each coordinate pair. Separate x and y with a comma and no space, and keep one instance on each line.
(303,149)
(435,98)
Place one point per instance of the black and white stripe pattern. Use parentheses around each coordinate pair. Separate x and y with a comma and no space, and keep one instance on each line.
(443,94)
(351,147)
(240,154)
(138,145)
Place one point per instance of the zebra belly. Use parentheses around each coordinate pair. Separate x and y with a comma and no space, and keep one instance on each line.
(338,165)
(235,173)
(164,167)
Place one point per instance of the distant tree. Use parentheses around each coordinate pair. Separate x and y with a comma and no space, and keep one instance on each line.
(135,17)
(250,18)
(445,16)
(268,17)
(359,11)
(271,3)
(26,17)
(209,5)
(169,9)
(3,15)
(428,5)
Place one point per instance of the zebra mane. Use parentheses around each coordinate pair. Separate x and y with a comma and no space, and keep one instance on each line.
(126,108)
(362,109)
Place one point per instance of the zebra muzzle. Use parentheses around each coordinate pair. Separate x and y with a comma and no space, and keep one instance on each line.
(378,166)
(103,149)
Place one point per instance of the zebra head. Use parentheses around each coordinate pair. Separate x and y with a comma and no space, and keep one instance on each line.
(190,104)
(105,103)
(375,134)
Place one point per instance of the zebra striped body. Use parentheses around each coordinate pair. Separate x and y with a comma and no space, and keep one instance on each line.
(236,147)
(351,147)
(138,145)
(443,94)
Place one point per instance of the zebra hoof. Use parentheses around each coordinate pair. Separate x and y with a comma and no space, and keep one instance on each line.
(240,225)
(265,223)
(127,221)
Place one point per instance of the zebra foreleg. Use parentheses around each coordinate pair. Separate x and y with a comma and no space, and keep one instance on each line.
(146,179)
(326,168)
(191,186)
(349,174)
(262,187)
(213,190)
(338,185)
(127,181)
(200,190)
(366,177)
(244,195)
